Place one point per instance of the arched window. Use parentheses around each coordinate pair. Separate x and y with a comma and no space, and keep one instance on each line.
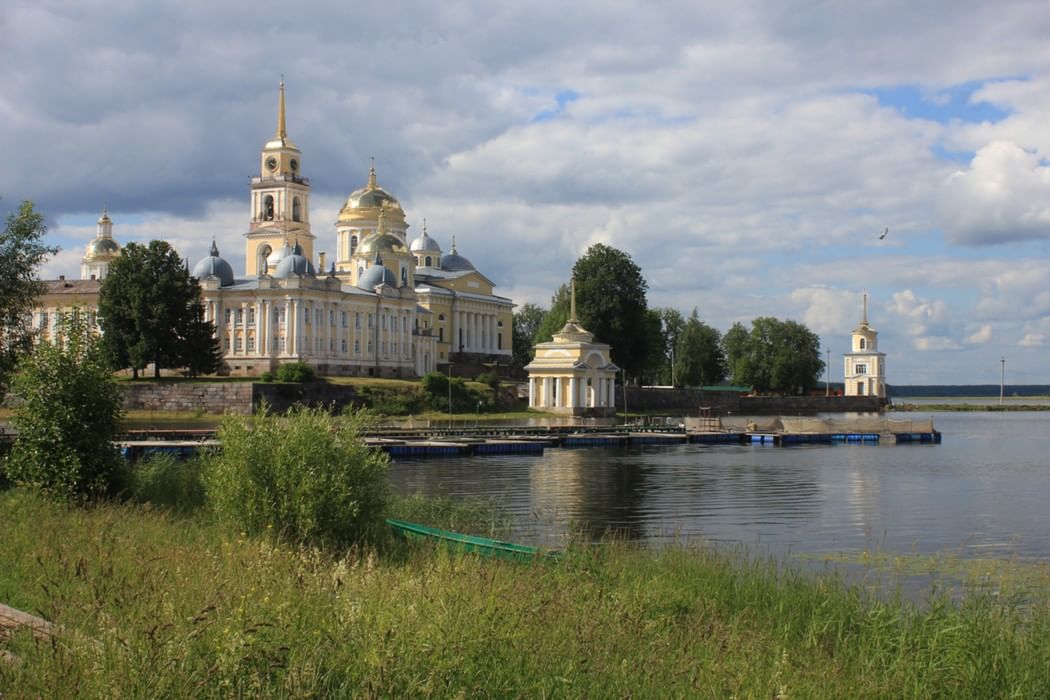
(404,276)
(268,207)
(296,210)
(264,252)
(863,343)
(353,244)
(441,335)
(428,261)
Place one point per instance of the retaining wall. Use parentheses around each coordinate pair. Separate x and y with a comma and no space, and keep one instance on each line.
(236,397)
(723,403)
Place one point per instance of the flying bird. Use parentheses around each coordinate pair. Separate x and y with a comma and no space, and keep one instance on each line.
(884,233)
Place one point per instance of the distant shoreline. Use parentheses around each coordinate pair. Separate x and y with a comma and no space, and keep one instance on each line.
(967,407)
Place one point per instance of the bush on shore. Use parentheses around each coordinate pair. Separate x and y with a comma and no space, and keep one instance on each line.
(306,477)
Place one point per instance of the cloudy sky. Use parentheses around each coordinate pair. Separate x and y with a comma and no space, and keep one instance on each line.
(747,155)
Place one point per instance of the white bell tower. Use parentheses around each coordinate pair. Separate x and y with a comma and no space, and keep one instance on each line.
(865,370)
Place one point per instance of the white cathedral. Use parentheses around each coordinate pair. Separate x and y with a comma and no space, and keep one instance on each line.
(377,306)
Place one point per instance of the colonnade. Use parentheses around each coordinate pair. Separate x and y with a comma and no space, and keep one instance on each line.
(478,332)
(572,392)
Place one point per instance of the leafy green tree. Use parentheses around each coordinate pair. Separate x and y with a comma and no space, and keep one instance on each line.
(699,359)
(527,320)
(307,477)
(555,318)
(777,356)
(611,303)
(21,255)
(660,358)
(150,312)
(69,411)
(657,366)
(735,348)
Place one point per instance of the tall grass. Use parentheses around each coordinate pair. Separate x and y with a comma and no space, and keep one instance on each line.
(182,607)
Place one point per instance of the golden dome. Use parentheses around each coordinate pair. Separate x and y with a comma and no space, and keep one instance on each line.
(380,242)
(371,196)
(102,247)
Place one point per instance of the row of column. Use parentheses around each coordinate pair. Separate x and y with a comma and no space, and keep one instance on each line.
(571,392)
(267,329)
(475,332)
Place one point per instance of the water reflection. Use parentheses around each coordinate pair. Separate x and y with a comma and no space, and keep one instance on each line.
(982,493)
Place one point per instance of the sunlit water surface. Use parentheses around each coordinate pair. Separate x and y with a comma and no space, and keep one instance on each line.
(983,492)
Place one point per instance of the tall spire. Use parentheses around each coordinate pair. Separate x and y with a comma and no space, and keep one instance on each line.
(282,132)
(372,174)
(864,318)
(572,302)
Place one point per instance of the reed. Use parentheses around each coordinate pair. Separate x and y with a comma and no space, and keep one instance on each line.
(165,606)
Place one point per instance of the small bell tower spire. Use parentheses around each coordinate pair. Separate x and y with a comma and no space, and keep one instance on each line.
(282,131)
(572,300)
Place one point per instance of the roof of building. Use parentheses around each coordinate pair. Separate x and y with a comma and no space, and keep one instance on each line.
(214,266)
(72,287)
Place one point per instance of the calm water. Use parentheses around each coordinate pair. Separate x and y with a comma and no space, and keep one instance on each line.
(984,492)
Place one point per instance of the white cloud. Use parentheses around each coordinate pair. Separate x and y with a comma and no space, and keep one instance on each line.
(1003,196)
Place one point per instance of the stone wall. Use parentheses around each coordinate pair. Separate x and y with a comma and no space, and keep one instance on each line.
(690,401)
(236,397)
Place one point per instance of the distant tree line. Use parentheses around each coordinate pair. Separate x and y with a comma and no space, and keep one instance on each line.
(661,346)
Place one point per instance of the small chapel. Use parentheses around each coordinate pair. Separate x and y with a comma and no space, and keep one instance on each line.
(572,374)
(865,370)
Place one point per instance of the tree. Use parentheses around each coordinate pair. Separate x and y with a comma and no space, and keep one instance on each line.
(777,356)
(699,359)
(527,320)
(69,412)
(659,361)
(657,368)
(734,348)
(555,318)
(21,255)
(611,303)
(150,312)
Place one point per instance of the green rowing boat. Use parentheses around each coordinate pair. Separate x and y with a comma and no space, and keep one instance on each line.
(482,546)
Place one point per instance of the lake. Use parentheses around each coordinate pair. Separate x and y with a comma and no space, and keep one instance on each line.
(983,492)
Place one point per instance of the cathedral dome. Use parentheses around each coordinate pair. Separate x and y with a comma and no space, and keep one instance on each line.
(381,243)
(425,244)
(295,264)
(376,275)
(454,262)
(214,266)
(371,196)
(102,246)
(278,254)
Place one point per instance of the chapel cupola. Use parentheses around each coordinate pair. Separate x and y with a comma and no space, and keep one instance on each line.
(865,366)
(101,251)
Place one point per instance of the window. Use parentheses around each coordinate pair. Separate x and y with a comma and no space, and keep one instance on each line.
(296,210)
(344,319)
(861,368)
(353,247)
(331,317)
(369,321)
(499,341)
(428,260)
(226,342)
(441,334)
(863,343)
(251,344)
(357,347)
(280,343)
(369,346)
(43,319)
(404,323)
(441,317)
(251,314)
(344,345)
(229,315)
(331,345)
(404,276)
(268,207)
(240,315)
(357,320)
(384,321)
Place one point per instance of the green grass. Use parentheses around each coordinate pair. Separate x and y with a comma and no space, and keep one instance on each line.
(178,607)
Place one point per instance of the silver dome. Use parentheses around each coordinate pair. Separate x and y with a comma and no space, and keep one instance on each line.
(376,275)
(295,264)
(214,266)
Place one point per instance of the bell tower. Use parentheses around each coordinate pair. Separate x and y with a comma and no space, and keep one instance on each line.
(865,371)
(280,200)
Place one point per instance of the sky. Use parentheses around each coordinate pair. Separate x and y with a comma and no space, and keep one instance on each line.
(746,155)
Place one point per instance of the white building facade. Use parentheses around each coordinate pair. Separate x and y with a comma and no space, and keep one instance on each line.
(865,366)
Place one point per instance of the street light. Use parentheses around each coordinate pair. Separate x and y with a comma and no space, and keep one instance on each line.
(477,419)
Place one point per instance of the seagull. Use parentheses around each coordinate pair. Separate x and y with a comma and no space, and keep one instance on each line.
(884,233)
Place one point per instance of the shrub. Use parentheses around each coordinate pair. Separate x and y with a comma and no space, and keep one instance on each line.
(69,413)
(306,477)
(166,481)
(391,402)
(491,379)
(464,398)
(266,376)
(296,372)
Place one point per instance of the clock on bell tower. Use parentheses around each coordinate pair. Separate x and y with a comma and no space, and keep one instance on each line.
(280,198)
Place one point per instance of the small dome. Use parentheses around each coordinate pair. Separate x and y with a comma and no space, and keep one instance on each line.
(102,246)
(376,275)
(454,262)
(425,244)
(295,264)
(277,255)
(214,266)
(381,243)
(371,196)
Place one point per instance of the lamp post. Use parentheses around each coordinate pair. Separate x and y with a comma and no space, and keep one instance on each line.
(450,394)
(624,396)
(477,418)
(1002,380)
(827,375)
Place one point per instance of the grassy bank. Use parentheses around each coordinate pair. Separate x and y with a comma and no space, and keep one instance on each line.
(157,606)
